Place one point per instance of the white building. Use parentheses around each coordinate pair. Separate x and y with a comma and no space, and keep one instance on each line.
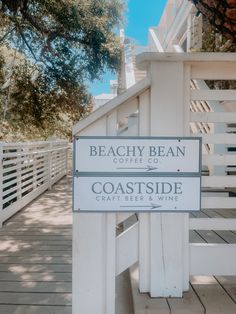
(101,99)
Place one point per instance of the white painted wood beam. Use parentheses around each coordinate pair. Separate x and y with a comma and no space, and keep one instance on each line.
(221,95)
(212,224)
(127,248)
(218,202)
(209,117)
(212,259)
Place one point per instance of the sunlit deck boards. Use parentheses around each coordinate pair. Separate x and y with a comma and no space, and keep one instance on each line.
(207,294)
(35,256)
(216,294)
(35,264)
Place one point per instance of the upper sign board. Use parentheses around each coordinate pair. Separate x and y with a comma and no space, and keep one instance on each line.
(137,155)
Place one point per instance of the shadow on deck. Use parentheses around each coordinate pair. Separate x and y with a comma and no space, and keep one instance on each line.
(36,269)
(35,256)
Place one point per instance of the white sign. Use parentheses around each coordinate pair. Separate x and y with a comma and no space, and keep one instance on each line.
(141,193)
(137,155)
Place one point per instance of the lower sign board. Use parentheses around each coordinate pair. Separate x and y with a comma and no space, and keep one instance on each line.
(143,194)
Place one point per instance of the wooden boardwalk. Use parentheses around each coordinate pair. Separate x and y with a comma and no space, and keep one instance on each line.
(35,265)
(36,254)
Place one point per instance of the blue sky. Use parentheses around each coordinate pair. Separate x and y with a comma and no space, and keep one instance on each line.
(140,15)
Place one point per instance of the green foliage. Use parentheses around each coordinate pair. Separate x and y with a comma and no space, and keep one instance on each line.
(60,44)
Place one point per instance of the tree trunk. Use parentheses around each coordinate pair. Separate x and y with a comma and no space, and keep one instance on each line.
(221,14)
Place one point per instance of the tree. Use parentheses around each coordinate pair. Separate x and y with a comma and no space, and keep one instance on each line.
(219,32)
(65,43)
(221,14)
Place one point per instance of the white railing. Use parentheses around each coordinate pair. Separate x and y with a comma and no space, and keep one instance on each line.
(165,103)
(27,169)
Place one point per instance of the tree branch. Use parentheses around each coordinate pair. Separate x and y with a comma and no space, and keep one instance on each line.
(25,41)
(7,33)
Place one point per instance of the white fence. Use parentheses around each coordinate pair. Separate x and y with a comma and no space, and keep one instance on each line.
(163,104)
(27,169)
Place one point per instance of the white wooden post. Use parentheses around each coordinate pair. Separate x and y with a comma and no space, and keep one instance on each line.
(1,184)
(49,165)
(167,231)
(186,132)
(144,218)
(93,270)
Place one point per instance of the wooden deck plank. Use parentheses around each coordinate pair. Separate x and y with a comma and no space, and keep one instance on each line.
(36,259)
(212,213)
(26,247)
(34,231)
(41,237)
(28,241)
(194,237)
(35,256)
(27,309)
(227,213)
(228,236)
(32,253)
(34,286)
(229,284)
(189,304)
(123,303)
(143,304)
(212,295)
(208,235)
(35,268)
(45,276)
(35,298)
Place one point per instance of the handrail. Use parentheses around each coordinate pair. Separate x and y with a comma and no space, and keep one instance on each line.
(25,173)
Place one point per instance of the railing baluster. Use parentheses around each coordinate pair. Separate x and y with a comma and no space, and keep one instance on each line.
(50,166)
